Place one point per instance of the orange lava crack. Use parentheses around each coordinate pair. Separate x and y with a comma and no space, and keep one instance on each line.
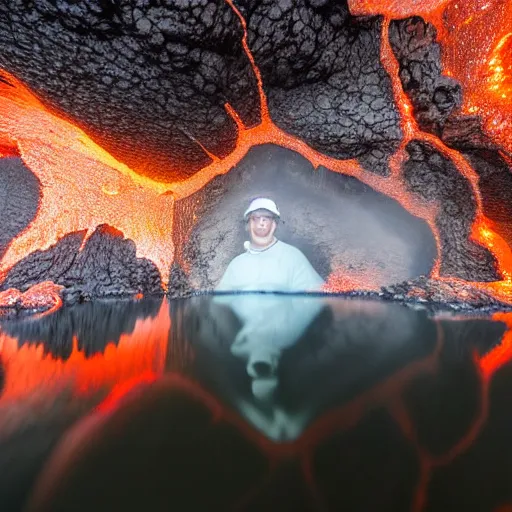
(481,231)
(83,186)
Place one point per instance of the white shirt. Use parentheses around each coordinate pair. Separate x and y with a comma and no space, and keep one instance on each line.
(281,267)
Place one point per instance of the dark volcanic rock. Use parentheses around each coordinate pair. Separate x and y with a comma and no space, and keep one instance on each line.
(179,286)
(455,295)
(466,133)
(49,265)
(149,83)
(107,266)
(434,96)
(495,183)
(324,80)
(435,178)
(19,197)
(146,81)
(338,222)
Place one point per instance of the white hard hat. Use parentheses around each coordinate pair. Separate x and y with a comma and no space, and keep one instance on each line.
(262,203)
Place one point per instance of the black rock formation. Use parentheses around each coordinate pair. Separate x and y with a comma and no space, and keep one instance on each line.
(107,266)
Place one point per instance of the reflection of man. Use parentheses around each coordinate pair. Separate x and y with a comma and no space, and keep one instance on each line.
(268,264)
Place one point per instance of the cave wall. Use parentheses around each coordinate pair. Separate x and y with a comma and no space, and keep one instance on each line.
(170,90)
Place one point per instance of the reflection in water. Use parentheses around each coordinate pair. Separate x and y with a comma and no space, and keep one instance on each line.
(93,324)
(299,353)
(86,348)
(222,402)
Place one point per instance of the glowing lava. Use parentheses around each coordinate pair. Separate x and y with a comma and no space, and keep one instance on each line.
(41,296)
(83,186)
(397,9)
(481,232)
(476,39)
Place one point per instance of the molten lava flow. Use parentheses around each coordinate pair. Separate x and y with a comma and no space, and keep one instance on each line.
(29,371)
(397,9)
(89,187)
(481,233)
(42,296)
(82,185)
(476,38)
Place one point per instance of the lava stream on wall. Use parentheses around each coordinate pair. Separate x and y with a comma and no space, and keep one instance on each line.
(83,186)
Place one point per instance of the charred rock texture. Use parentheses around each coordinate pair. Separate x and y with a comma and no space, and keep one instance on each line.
(435,178)
(466,133)
(94,324)
(180,286)
(495,183)
(147,82)
(324,80)
(337,221)
(19,197)
(455,295)
(435,99)
(150,83)
(107,266)
(434,96)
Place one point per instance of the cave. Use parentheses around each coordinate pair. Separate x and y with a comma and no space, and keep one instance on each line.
(127,128)
(134,134)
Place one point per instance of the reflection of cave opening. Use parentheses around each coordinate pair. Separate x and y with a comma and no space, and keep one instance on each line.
(346,229)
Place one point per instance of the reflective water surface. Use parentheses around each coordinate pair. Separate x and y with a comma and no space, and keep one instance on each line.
(255,402)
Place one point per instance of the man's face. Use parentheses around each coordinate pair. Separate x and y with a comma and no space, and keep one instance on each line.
(261,228)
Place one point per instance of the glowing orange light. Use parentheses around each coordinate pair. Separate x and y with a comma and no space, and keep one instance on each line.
(72,171)
(29,371)
(45,295)
(477,50)
(501,354)
(123,191)
(481,232)
(396,9)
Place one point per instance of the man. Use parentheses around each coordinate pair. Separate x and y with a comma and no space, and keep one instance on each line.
(268,264)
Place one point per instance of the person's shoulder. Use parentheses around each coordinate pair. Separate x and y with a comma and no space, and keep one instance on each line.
(238,259)
(288,248)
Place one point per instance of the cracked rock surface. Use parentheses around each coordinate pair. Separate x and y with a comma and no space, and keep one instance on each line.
(148,83)
(434,178)
(325,83)
(107,266)
(434,96)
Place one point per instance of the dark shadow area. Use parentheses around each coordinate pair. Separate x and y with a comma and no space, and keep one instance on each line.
(297,357)
(268,402)
(20,191)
